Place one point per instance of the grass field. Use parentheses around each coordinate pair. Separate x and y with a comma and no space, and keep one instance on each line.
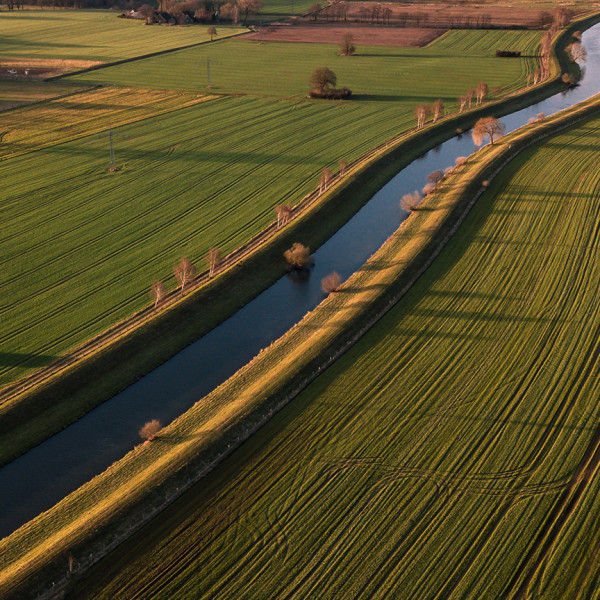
(444,68)
(451,453)
(91,35)
(202,176)
(14,93)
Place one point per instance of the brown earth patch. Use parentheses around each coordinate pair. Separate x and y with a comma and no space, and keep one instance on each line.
(363,35)
(437,15)
(39,67)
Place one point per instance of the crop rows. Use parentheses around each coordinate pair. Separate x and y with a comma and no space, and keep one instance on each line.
(451,453)
(375,73)
(91,35)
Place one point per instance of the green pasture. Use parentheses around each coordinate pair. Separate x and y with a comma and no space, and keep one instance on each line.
(81,246)
(92,35)
(451,453)
(442,69)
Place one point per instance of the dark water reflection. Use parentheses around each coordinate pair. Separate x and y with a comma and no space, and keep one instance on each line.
(45,474)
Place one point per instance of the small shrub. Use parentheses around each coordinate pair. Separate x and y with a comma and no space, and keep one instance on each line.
(531,120)
(298,256)
(428,189)
(331,283)
(508,53)
(541,116)
(150,430)
(460,160)
(568,80)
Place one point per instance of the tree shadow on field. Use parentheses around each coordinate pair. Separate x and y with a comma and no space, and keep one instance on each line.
(18,359)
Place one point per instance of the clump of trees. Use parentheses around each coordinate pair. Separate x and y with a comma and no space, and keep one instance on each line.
(298,256)
(487,127)
(347,48)
(150,430)
(331,282)
(323,81)
(508,53)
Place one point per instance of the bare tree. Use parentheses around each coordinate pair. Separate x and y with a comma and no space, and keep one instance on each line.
(213,258)
(469,96)
(462,102)
(184,271)
(435,177)
(562,16)
(248,7)
(343,166)
(298,256)
(150,430)
(347,48)
(212,31)
(284,213)
(422,112)
(326,177)
(541,116)
(544,18)
(460,160)
(323,78)
(158,292)
(331,282)
(438,110)
(577,52)
(410,202)
(487,127)
(427,189)
(314,10)
(481,91)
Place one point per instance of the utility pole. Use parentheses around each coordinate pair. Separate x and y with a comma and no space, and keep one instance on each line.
(208,72)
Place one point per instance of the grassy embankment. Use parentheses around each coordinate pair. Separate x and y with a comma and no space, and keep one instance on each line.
(452,452)
(204,434)
(167,205)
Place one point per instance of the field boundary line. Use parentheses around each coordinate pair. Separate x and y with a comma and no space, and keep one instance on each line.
(124,61)
(108,509)
(26,395)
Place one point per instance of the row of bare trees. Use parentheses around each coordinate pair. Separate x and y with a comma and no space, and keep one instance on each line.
(436,110)
(185,272)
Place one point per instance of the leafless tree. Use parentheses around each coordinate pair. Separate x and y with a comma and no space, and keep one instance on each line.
(462,102)
(212,31)
(331,282)
(544,18)
(541,116)
(427,189)
(562,16)
(469,96)
(481,91)
(343,166)
(326,177)
(438,110)
(347,48)
(435,177)
(158,292)
(410,202)
(184,271)
(487,127)
(422,113)
(284,213)
(460,160)
(150,430)
(213,258)
(577,52)
(248,7)
(314,10)
(298,256)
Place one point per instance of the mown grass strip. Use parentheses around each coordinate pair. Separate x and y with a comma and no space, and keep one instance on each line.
(207,433)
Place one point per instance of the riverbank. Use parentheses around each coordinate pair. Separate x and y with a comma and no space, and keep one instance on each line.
(149,339)
(106,510)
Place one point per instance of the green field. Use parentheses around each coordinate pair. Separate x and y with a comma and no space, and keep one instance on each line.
(203,176)
(451,453)
(442,69)
(91,35)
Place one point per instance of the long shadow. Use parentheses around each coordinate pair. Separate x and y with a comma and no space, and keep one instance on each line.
(14,359)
